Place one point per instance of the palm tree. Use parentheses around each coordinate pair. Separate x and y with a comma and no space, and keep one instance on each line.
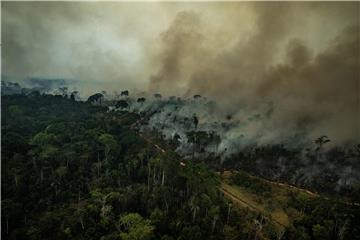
(215,213)
(228,213)
(194,207)
(320,142)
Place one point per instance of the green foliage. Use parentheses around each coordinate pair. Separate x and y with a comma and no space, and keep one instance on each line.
(231,233)
(108,141)
(324,219)
(201,139)
(253,184)
(320,232)
(42,139)
(71,170)
(135,227)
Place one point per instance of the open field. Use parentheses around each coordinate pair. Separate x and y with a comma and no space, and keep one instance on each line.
(274,206)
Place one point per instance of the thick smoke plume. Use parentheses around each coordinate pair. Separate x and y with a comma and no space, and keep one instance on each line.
(291,67)
(301,91)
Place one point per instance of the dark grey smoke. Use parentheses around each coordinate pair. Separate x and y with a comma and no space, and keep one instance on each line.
(294,65)
(312,91)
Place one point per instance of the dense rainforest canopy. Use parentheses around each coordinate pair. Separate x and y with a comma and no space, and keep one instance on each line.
(72,170)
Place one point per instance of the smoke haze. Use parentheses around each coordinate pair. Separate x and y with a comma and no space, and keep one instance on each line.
(295,65)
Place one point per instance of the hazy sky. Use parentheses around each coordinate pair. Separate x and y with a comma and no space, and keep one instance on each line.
(301,57)
(121,42)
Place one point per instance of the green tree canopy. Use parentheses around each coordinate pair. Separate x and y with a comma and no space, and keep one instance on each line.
(135,227)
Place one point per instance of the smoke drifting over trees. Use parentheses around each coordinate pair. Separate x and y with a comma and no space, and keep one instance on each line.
(318,91)
(294,65)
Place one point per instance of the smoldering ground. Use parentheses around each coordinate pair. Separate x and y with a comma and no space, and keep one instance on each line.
(293,65)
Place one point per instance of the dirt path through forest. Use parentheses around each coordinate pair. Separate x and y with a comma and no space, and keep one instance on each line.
(314,194)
